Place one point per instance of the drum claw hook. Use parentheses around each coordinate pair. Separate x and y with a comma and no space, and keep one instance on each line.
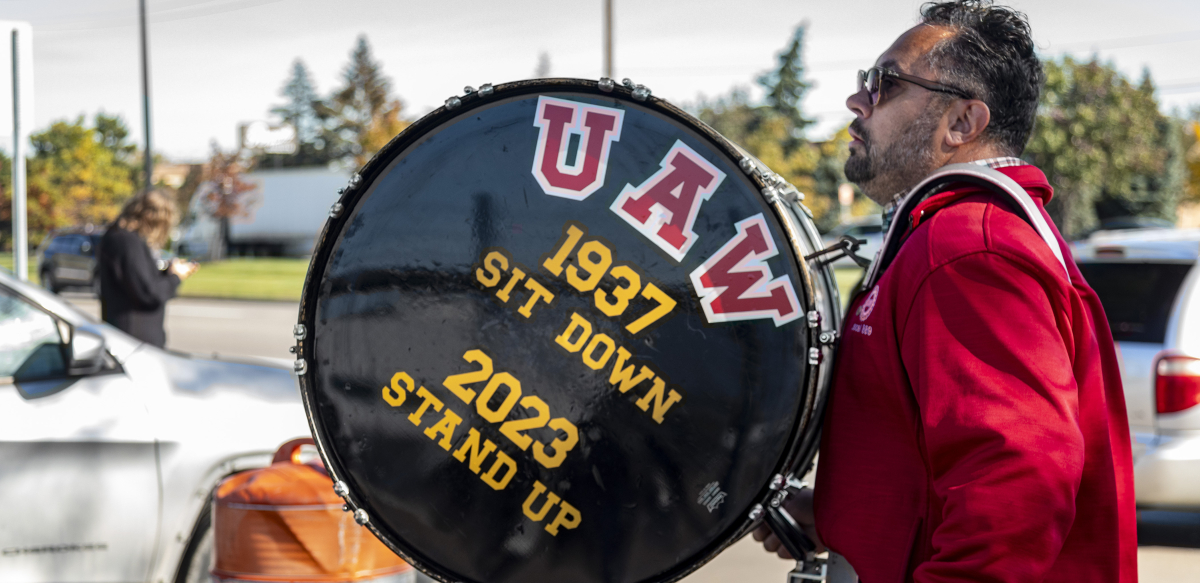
(846,246)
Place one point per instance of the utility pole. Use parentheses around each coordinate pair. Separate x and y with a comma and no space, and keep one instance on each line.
(608,38)
(149,150)
(19,227)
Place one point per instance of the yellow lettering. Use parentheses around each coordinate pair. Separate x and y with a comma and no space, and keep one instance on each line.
(589,355)
(510,400)
(656,393)
(495,263)
(577,323)
(623,375)
(429,400)
(568,518)
(518,275)
(539,293)
(502,461)
(395,394)
(445,428)
(478,455)
(551,500)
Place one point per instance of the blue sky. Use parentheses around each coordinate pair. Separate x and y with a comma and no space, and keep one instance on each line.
(216,63)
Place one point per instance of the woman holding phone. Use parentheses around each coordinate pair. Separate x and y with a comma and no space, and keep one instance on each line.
(133,290)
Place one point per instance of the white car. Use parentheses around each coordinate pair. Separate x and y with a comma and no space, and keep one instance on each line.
(1150,288)
(110,448)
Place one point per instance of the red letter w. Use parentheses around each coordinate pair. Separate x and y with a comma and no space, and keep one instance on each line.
(735,283)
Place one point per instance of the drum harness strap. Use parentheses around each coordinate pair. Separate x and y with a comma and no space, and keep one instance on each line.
(835,569)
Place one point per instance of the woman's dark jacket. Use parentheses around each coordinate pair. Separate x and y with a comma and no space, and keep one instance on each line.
(133,291)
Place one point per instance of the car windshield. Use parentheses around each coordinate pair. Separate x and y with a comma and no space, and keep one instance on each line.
(1137,297)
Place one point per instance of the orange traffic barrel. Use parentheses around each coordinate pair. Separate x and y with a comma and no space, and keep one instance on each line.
(285,523)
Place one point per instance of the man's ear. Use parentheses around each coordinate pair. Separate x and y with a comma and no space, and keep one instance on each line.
(968,119)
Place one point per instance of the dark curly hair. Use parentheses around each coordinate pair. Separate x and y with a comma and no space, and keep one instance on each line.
(991,55)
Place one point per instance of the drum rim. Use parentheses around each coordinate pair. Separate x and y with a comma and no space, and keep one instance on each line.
(801,446)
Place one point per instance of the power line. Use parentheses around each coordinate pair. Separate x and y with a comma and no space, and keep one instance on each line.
(188,12)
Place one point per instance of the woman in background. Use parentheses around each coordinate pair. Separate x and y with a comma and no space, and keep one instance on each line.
(133,290)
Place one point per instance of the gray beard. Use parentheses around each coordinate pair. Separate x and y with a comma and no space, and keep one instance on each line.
(900,165)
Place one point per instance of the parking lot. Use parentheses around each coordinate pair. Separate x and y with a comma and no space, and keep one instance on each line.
(1171,541)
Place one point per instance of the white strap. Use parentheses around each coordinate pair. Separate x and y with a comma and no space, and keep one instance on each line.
(973,173)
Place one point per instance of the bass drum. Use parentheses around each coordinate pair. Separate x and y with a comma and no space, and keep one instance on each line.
(560,330)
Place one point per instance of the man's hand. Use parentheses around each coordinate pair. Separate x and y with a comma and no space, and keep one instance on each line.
(800,506)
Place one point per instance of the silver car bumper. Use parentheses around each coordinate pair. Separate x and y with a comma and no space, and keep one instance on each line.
(1167,470)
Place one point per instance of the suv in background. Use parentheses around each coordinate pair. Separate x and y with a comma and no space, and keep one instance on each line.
(1147,282)
(67,258)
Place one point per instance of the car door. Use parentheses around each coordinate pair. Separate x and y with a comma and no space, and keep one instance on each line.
(78,479)
(75,261)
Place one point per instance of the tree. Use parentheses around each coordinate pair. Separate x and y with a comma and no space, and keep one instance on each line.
(1105,146)
(1191,148)
(785,86)
(367,113)
(773,132)
(226,193)
(309,116)
(74,178)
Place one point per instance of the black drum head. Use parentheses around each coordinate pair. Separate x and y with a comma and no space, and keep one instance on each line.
(556,334)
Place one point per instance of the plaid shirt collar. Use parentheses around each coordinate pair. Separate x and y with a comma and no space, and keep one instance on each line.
(889,211)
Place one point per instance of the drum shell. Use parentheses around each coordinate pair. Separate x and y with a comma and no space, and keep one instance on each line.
(800,238)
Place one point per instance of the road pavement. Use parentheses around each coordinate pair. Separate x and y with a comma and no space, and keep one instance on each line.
(265,329)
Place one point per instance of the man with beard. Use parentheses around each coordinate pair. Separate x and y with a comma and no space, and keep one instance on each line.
(976,426)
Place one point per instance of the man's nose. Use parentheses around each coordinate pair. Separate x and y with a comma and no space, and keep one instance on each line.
(859,104)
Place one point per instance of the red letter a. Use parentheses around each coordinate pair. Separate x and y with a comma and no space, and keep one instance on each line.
(684,180)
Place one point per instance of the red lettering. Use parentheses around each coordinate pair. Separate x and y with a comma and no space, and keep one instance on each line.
(558,119)
(683,182)
(736,282)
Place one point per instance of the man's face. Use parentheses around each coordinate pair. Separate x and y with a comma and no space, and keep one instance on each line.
(896,142)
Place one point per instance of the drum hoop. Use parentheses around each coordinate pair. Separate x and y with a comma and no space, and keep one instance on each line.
(802,447)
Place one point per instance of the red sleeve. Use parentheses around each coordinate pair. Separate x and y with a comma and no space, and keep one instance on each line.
(992,375)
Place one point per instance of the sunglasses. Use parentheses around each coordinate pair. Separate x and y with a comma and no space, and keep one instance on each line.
(872,80)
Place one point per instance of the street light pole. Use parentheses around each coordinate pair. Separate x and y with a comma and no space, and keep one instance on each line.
(149,150)
(20,232)
(608,38)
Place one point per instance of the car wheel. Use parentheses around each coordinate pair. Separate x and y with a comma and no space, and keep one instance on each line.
(198,560)
(48,281)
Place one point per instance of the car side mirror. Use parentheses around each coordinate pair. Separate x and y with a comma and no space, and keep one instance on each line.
(86,353)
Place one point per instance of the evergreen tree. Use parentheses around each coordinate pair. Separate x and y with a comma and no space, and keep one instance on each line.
(785,86)
(317,142)
(367,113)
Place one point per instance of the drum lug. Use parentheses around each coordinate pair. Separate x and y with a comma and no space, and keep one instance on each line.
(468,90)
(756,512)
(814,319)
(778,482)
(606,85)
(828,337)
(341,489)
(814,356)
(300,331)
(335,211)
(627,83)
(360,516)
(300,366)
(641,93)
(747,166)
(486,89)
(453,102)
(814,569)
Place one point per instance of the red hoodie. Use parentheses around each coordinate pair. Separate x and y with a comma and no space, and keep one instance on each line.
(976,428)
